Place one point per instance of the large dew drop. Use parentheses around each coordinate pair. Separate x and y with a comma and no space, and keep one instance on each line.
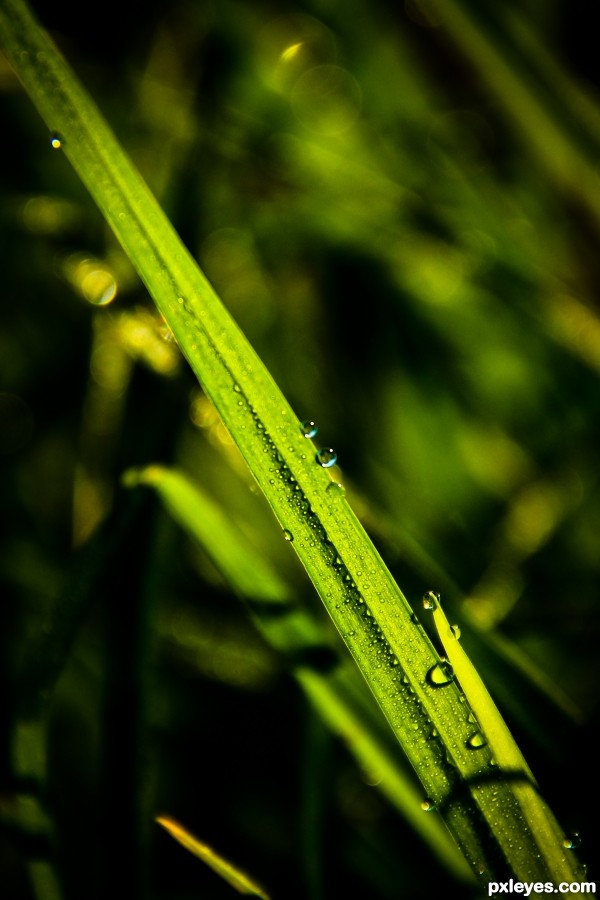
(430,600)
(326,457)
(440,674)
(476,741)
(309,429)
(56,140)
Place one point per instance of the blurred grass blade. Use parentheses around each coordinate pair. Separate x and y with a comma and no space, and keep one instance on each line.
(559,133)
(213,529)
(343,712)
(336,693)
(369,610)
(223,867)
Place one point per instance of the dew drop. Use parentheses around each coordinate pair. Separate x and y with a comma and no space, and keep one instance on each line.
(309,429)
(455,631)
(56,141)
(237,388)
(476,741)
(430,600)
(572,841)
(335,489)
(326,457)
(428,805)
(288,535)
(440,674)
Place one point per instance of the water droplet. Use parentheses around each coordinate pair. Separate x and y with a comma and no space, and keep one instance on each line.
(326,457)
(476,741)
(336,489)
(455,631)
(428,805)
(309,429)
(288,535)
(430,600)
(572,841)
(237,388)
(56,141)
(440,674)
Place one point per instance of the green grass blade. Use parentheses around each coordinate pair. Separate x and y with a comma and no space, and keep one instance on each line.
(491,729)
(338,707)
(335,694)
(369,610)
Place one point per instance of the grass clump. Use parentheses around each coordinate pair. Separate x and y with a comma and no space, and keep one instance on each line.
(304,178)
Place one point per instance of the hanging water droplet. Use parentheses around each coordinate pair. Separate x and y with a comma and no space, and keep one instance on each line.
(309,429)
(430,600)
(572,841)
(336,489)
(326,457)
(288,535)
(455,631)
(428,805)
(440,674)
(476,741)
(56,140)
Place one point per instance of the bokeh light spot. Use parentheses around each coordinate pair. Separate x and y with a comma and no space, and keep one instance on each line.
(326,99)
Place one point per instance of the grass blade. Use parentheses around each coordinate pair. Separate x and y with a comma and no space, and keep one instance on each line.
(493,731)
(222,866)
